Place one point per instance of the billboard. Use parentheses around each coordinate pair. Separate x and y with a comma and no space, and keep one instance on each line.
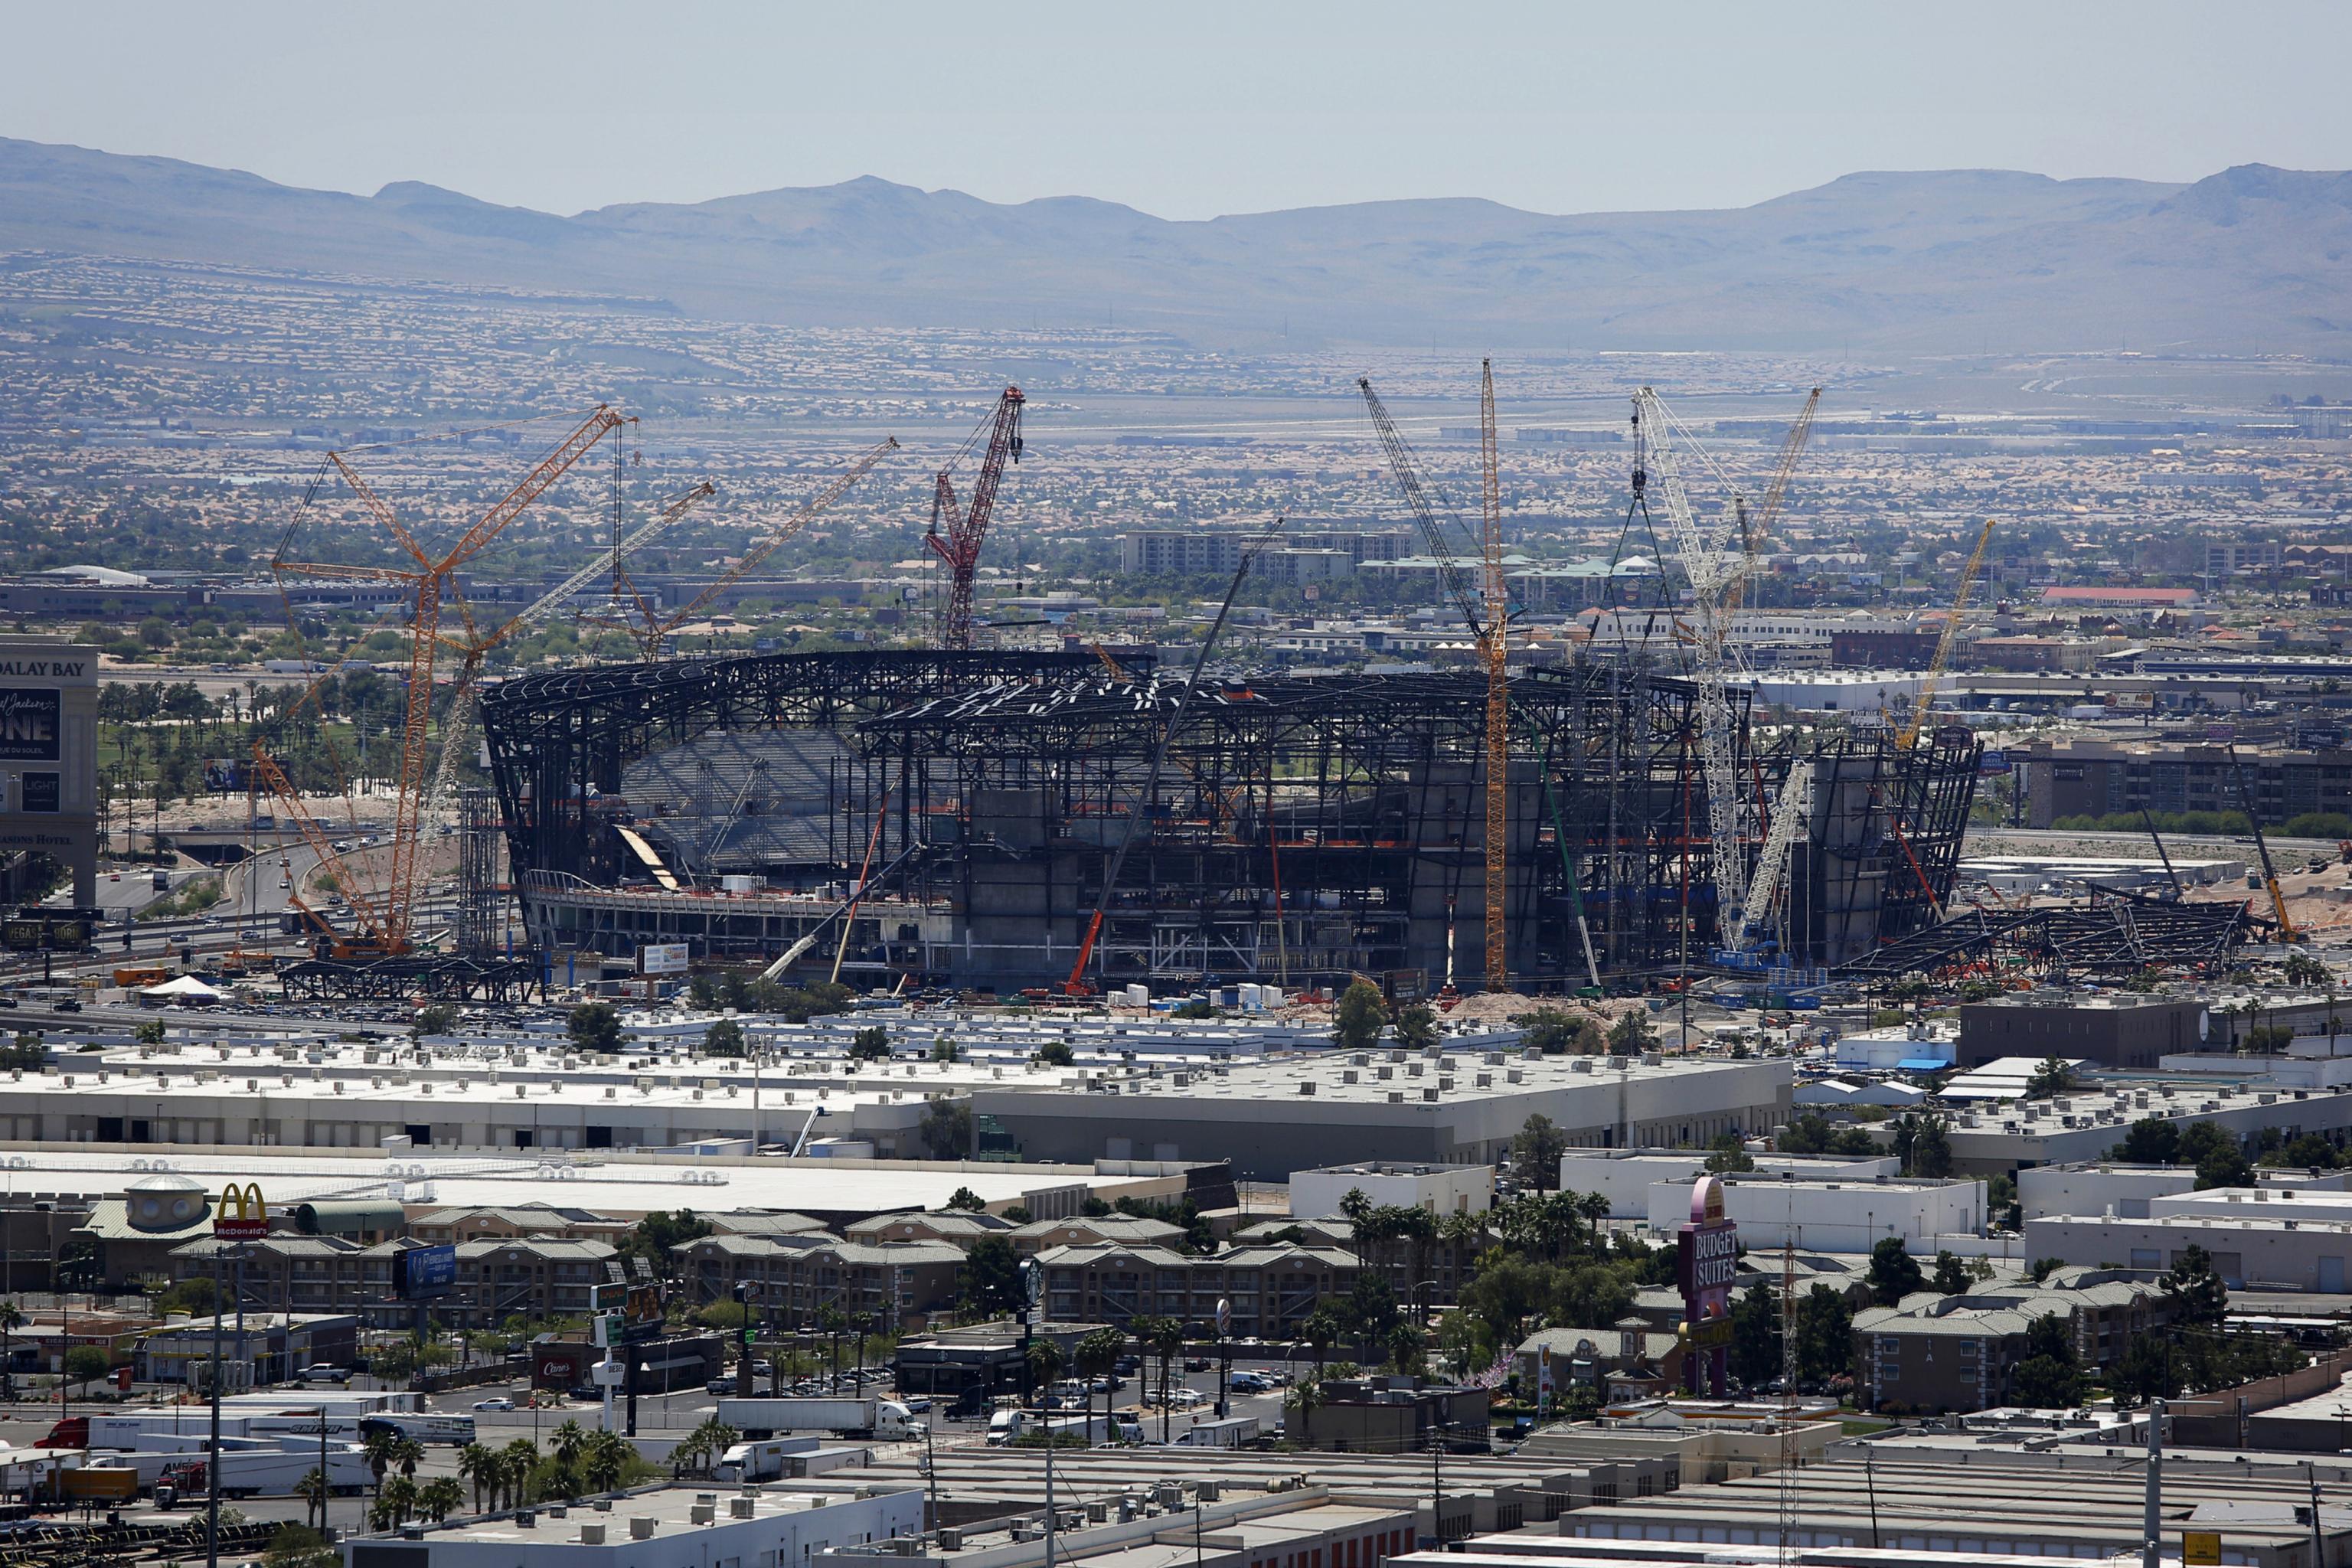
(242,1214)
(423,1273)
(637,1307)
(31,724)
(1706,1264)
(664,958)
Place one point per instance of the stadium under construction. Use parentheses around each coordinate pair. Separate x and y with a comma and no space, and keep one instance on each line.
(953,814)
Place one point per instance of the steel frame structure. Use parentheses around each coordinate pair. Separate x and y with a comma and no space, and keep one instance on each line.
(1311,828)
(2116,933)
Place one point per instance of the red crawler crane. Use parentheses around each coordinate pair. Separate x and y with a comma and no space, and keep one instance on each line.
(960,546)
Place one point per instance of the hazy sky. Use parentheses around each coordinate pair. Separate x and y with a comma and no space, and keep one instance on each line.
(1184,109)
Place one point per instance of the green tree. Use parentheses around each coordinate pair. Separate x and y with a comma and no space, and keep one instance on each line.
(992,1278)
(1550,1030)
(150,1031)
(944,1050)
(395,1505)
(1894,1272)
(439,1498)
(1056,1053)
(871,1044)
(2149,1369)
(1951,1276)
(1322,1329)
(1630,1035)
(1535,1151)
(2046,1377)
(1728,1155)
(1755,1335)
(725,1039)
(2219,1158)
(595,1028)
(2053,1076)
(1357,1019)
(946,1129)
(653,1237)
(86,1364)
(1824,1336)
(478,1465)
(298,1545)
(2199,1298)
(605,1462)
(1811,1132)
(1416,1026)
(1095,1355)
(2150,1141)
(965,1199)
(1044,1362)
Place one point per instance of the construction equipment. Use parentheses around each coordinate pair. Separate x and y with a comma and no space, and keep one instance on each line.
(653,631)
(2287,933)
(384,914)
(464,700)
(1712,570)
(1486,613)
(2162,854)
(1790,813)
(1753,529)
(1910,735)
(967,527)
(1075,985)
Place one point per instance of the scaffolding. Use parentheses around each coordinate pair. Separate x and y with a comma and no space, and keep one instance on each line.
(479,918)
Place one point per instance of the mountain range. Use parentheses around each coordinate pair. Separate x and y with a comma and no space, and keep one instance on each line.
(2252,259)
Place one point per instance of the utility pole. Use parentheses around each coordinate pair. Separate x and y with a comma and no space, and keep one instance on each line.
(2151,1551)
(212,1455)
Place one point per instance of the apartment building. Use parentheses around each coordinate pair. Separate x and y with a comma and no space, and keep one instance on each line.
(1271,1288)
(2100,778)
(1930,1352)
(898,1282)
(514,1224)
(532,1276)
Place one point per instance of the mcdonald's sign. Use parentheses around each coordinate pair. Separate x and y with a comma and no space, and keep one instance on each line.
(242,1214)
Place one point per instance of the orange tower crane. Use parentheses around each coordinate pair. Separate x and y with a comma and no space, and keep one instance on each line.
(385,914)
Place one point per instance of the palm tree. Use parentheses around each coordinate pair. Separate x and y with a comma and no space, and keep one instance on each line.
(477,1463)
(1097,1353)
(1306,1396)
(1044,1364)
(1322,1329)
(521,1456)
(707,1444)
(406,1453)
(438,1499)
(313,1489)
(10,1319)
(604,1461)
(377,1445)
(564,1447)
(1356,1210)
(1167,1338)
(395,1501)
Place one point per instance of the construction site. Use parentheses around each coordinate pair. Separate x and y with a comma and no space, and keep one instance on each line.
(1074,821)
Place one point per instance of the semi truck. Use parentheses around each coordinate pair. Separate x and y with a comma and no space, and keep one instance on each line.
(1233,1432)
(1011,1425)
(849,1416)
(245,1472)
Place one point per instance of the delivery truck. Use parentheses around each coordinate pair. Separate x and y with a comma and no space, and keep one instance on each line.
(260,1472)
(849,1416)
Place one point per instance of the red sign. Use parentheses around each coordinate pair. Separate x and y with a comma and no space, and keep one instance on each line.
(1707,1255)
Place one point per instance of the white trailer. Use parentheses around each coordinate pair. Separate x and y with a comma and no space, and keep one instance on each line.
(866,1417)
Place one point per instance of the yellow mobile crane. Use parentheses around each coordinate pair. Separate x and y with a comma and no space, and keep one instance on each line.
(2287,933)
(1910,736)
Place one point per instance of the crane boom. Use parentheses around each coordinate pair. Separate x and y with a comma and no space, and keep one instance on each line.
(1753,530)
(1075,985)
(968,526)
(777,537)
(1711,571)
(1495,647)
(1910,735)
(2261,847)
(1407,468)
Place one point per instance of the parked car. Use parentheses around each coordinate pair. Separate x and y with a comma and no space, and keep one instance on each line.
(68,1005)
(500,1403)
(1248,1383)
(325,1373)
(1196,1363)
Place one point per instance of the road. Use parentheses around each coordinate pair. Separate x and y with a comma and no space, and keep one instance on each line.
(662,1421)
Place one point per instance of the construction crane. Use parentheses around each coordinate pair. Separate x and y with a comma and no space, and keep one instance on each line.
(1712,570)
(967,527)
(1753,529)
(385,914)
(2287,933)
(1910,735)
(1486,612)
(1075,985)
(653,630)
(464,700)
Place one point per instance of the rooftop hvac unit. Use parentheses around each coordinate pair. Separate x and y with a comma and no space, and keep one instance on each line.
(950,1539)
(1429,1094)
(1485,1081)
(641,1527)
(1307,1086)
(1519,1075)
(1396,1097)
(1348,1075)
(1445,1083)
(591,1535)
(742,1507)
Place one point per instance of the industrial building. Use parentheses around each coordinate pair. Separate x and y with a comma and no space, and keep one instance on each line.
(2086,1124)
(2121,1029)
(1271,1119)
(1305,829)
(2260,1238)
(658,1527)
(1832,1216)
(2102,778)
(1439,1189)
(1626,1177)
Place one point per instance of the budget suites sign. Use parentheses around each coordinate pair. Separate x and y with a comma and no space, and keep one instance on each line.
(1706,1264)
